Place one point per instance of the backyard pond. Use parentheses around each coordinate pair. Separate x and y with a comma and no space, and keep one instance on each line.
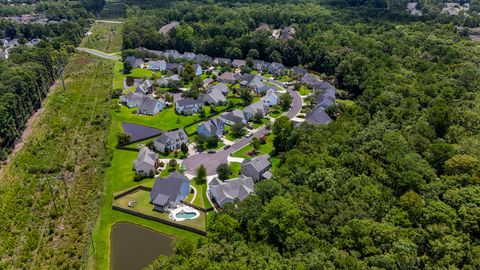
(134,247)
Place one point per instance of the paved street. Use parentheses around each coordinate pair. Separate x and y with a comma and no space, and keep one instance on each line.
(211,161)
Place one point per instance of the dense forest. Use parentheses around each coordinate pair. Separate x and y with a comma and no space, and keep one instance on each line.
(393,183)
(27,74)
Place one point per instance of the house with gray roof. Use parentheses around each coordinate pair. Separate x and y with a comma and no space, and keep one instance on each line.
(188,106)
(252,109)
(287,33)
(167,81)
(212,127)
(276,68)
(145,88)
(222,61)
(214,96)
(189,55)
(168,192)
(238,63)
(157,65)
(207,82)
(234,117)
(227,191)
(201,58)
(249,80)
(318,116)
(146,162)
(325,99)
(227,77)
(197,69)
(132,99)
(168,27)
(223,88)
(258,65)
(151,106)
(134,62)
(175,68)
(298,72)
(170,141)
(271,97)
(257,168)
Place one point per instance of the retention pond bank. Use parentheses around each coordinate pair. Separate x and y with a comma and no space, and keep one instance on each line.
(134,247)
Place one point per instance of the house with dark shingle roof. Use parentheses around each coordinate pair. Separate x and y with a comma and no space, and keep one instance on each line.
(132,99)
(219,87)
(188,106)
(134,62)
(227,191)
(170,140)
(257,168)
(189,55)
(214,96)
(234,117)
(212,127)
(201,58)
(145,88)
(298,71)
(238,63)
(151,106)
(276,68)
(157,65)
(318,116)
(254,82)
(227,77)
(146,162)
(222,61)
(167,81)
(168,192)
(175,67)
(325,99)
(252,109)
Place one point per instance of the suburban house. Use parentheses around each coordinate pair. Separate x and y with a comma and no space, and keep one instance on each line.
(175,68)
(174,54)
(250,80)
(257,107)
(189,55)
(222,61)
(223,192)
(257,168)
(168,192)
(132,99)
(145,88)
(287,33)
(318,115)
(207,82)
(201,58)
(167,81)
(170,141)
(146,162)
(271,98)
(134,62)
(310,79)
(238,63)
(168,27)
(276,68)
(298,72)
(227,77)
(219,86)
(188,106)
(213,96)
(234,117)
(157,65)
(151,106)
(258,65)
(197,69)
(212,127)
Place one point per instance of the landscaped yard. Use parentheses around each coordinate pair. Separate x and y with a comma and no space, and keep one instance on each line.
(230,136)
(263,122)
(167,119)
(266,148)
(141,73)
(201,197)
(143,205)
(304,91)
(235,167)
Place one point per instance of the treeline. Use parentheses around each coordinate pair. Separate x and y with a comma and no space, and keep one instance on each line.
(392,184)
(27,74)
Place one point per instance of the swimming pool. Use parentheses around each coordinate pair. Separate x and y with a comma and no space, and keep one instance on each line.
(186,215)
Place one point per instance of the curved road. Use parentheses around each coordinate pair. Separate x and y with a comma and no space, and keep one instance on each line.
(211,161)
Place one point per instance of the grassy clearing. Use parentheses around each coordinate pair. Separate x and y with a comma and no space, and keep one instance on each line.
(118,76)
(347,102)
(70,137)
(141,73)
(304,91)
(105,37)
(266,148)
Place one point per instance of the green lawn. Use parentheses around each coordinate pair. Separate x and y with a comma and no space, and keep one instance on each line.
(144,206)
(304,91)
(201,197)
(266,148)
(285,78)
(235,167)
(230,136)
(347,102)
(118,76)
(140,73)
(263,122)
(105,37)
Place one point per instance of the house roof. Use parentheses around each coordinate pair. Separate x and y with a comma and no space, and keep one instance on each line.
(188,102)
(149,103)
(227,76)
(235,116)
(237,188)
(168,188)
(134,97)
(200,58)
(207,81)
(258,106)
(220,60)
(238,62)
(214,95)
(219,87)
(170,136)
(271,93)
(318,116)
(168,27)
(258,163)
(147,156)
(299,70)
(212,125)
(157,64)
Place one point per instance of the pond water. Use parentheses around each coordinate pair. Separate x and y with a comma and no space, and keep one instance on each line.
(132,81)
(134,247)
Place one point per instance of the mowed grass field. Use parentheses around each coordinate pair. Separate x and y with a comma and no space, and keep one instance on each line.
(105,37)
(69,138)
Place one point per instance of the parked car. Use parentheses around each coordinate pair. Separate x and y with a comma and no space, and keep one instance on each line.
(211,151)
(249,127)
(226,147)
(249,135)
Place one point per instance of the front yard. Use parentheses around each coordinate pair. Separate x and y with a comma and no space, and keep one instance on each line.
(266,148)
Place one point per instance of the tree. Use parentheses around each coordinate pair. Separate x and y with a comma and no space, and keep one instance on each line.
(285,101)
(256,143)
(275,56)
(127,68)
(224,171)
(173,164)
(184,148)
(257,117)
(253,53)
(237,130)
(460,164)
(212,141)
(188,73)
(123,138)
(246,96)
(282,128)
(201,174)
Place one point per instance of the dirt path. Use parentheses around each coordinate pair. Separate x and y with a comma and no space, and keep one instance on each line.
(20,142)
